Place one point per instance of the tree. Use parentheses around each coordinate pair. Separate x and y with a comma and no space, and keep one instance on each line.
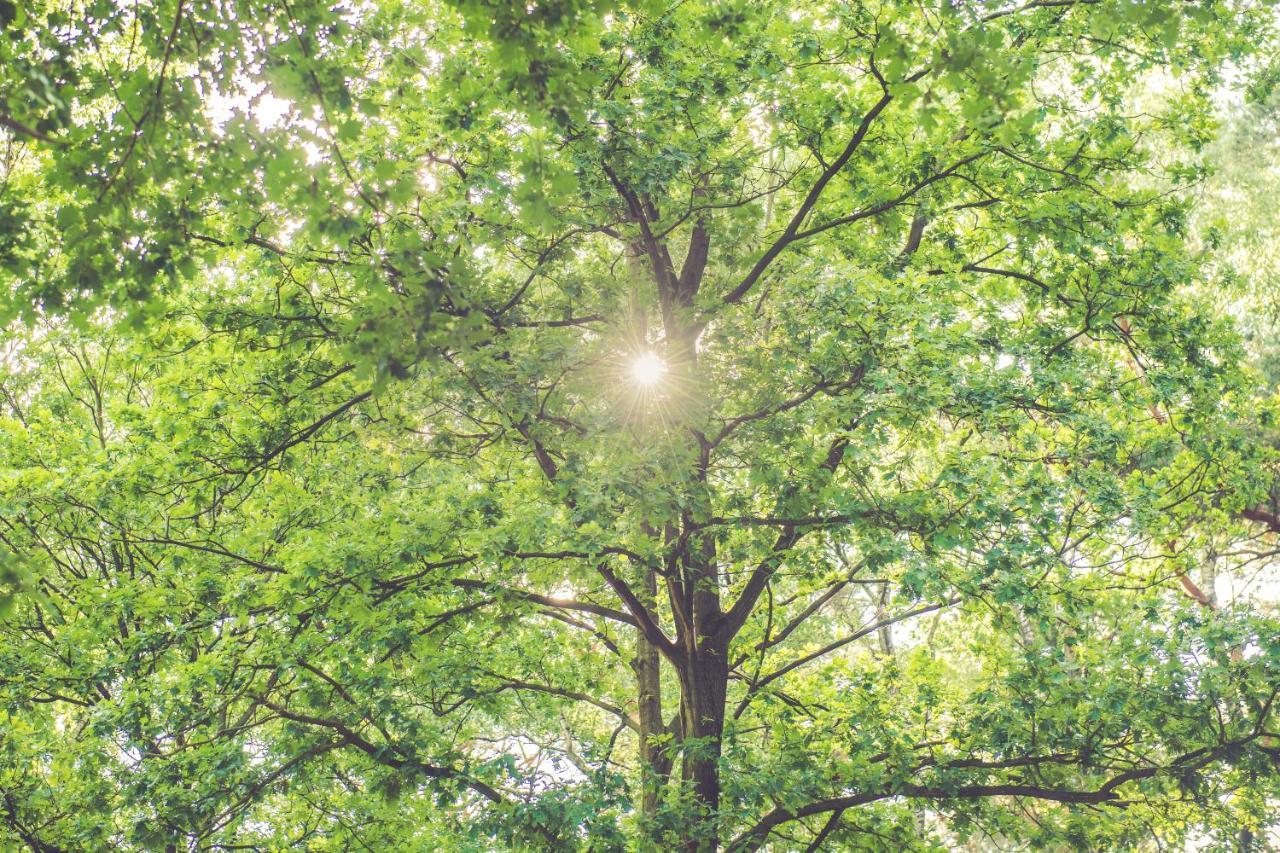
(603,426)
(1232,215)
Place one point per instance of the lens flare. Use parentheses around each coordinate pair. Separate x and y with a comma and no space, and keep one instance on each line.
(647,369)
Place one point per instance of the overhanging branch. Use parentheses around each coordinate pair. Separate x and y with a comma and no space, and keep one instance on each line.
(753,838)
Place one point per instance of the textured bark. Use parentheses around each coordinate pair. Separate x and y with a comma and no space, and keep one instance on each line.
(655,758)
(704,681)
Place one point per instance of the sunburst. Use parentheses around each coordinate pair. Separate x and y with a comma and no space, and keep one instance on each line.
(647,369)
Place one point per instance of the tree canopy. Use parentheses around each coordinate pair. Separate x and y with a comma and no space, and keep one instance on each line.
(591,425)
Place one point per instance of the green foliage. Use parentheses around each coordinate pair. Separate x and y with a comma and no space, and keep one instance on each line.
(334,516)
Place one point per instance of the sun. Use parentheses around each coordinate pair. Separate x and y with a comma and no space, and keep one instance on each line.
(647,369)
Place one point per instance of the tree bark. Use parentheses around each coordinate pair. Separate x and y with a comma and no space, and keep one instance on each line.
(693,582)
(655,756)
(704,680)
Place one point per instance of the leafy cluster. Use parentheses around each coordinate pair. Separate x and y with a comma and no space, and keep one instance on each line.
(335,516)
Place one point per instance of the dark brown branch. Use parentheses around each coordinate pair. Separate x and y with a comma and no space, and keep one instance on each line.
(812,608)
(792,531)
(754,837)
(216,550)
(833,646)
(384,754)
(268,246)
(604,638)
(828,388)
(810,199)
(301,435)
(695,261)
(792,231)
(884,206)
(25,130)
(663,272)
(1036,4)
(1262,516)
(513,684)
(644,619)
(827,829)
(35,843)
(545,600)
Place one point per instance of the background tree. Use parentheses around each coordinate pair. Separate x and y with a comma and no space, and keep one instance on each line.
(1232,216)
(613,426)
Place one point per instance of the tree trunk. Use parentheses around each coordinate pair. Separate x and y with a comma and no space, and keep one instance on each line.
(704,680)
(655,757)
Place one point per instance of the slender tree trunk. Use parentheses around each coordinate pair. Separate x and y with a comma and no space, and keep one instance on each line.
(655,757)
(704,680)
(655,760)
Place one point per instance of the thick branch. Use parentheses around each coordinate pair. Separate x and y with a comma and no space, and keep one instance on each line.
(1262,516)
(644,620)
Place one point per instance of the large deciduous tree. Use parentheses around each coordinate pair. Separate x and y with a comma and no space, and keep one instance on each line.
(588,425)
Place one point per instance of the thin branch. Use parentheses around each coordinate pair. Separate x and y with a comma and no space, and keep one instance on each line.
(753,838)
(833,646)
(810,200)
